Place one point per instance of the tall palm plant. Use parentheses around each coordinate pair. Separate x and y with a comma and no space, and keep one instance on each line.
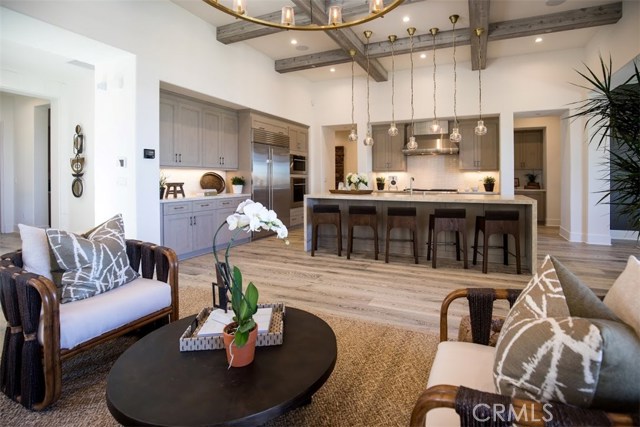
(614,113)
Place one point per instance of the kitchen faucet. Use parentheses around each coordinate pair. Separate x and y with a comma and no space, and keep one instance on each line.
(411,185)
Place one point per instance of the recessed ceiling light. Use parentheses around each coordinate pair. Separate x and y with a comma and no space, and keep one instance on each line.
(406,19)
(538,39)
(423,55)
(333,70)
(294,41)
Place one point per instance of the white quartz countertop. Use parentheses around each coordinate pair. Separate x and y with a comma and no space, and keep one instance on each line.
(429,198)
(196,198)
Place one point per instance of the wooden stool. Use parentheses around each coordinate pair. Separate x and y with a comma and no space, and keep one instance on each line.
(447,220)
(363,216)
(174,188)
(497,222)
(325,214)
(402,218)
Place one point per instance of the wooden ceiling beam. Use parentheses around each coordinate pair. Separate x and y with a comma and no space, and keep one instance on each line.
(345,38)
(478,18)
(561,21)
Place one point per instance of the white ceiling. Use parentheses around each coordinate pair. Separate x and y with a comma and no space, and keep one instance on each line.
(423,15)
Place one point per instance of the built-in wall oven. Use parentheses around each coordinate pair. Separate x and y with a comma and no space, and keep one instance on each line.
(297,164)
(298,190)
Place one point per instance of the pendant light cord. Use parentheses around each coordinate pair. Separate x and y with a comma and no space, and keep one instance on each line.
(434,77)
(353,108)
(393,85)
(455,80)
(411,59)
(368,113)
(480,75)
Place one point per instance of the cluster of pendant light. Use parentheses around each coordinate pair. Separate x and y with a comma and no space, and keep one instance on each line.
(455,135)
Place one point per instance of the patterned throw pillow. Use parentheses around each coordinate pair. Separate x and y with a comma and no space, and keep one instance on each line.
(548,350)
(93,263)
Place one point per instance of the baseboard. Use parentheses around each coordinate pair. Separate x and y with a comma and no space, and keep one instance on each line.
(624,235)
(598,239)
(551,222)
(571,237)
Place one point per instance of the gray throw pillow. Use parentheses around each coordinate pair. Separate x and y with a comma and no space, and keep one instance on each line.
(94,263)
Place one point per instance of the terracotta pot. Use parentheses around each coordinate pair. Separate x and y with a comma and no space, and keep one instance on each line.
(242,356)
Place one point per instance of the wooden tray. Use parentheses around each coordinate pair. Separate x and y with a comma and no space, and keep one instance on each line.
(189,341)
(350,191)
(212,181)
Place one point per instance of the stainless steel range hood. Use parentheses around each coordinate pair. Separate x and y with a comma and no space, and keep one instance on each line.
(432,146)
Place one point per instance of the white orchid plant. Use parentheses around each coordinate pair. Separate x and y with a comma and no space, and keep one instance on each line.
(356,179)
(249,216)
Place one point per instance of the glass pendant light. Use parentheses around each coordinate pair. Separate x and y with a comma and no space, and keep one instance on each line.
(353,136)
(239,7)
(368,140)
(376,6)
(411,144)
(435,126)
(335,14)
(393,129)
(455,134)
(288,16)
(480,129)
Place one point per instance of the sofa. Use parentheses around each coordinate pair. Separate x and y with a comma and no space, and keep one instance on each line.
(529,382)
(45,325)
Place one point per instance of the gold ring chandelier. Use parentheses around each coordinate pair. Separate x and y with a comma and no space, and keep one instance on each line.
(287,22)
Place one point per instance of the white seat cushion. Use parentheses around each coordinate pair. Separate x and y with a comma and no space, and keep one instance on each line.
(460,363)
(85,319)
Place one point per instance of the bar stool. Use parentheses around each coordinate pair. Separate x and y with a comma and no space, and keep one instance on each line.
(402,218)
(497,222)
(362,216)
(325,214)
(447,220)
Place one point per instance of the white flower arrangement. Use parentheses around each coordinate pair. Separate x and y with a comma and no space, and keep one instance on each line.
(356,180)
(249,216)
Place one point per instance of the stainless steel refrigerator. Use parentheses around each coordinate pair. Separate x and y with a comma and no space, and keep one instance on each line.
(270,174)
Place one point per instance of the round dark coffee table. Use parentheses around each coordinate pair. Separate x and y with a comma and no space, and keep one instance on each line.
(153,383)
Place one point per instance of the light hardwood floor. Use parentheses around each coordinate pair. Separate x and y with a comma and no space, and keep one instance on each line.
(399,293)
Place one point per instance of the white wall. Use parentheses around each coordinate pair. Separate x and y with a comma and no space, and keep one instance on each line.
(164,43)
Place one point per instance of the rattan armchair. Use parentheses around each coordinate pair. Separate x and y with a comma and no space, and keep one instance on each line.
(30,371)
(464,400)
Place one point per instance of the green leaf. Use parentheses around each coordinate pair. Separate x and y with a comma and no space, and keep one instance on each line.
(251,297)
(241,338)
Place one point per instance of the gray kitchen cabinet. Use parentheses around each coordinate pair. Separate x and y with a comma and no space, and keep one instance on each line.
(219,139)
(189,226)
(479,152)
(269,124)
(298,140)
(387,150)
(197,134)
(528,149)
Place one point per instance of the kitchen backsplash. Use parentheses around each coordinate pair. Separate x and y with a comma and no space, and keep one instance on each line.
(191,179)
(439,172)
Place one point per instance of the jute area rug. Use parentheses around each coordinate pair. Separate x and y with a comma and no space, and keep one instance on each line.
(379,374)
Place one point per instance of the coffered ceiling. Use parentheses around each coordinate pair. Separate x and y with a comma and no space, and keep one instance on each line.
(513,27)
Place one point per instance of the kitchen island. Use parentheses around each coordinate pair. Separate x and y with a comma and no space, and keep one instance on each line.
(425,203)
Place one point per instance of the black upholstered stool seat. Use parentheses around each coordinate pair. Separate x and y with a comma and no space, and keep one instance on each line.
(497,222)
(402,217)
(363,216)
(325,214)
(447,220)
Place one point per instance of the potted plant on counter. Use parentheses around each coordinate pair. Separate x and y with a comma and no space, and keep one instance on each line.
(531,181)
(237,182)
(163,182)
(355,180)
(380,183)
(488,183)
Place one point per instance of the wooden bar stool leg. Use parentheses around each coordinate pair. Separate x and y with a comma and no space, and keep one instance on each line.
(430,236)
(475,243)
(434,247)
(386,245)
(464,246)
(505,249)
(517,237)
(350,241)
(339,235)
(485,252)
(314,239)
(375,238)
(415,245)
(457,245)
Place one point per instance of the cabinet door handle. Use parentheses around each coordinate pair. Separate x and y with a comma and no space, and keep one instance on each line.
(223,160)
(226,203)
(180,157)
(176,156)
(190,220)
(194,220)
